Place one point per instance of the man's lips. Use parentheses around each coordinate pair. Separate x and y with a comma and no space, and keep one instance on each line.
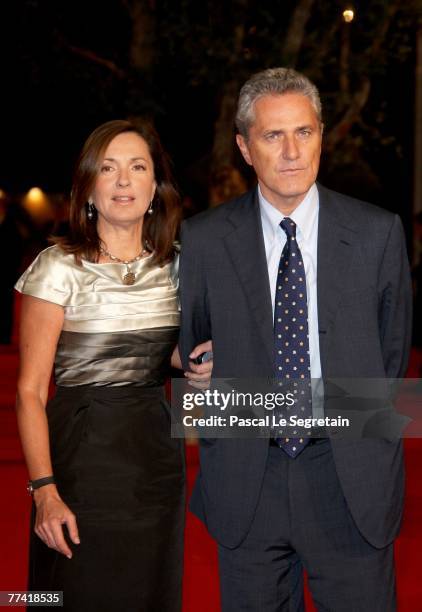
(291,170)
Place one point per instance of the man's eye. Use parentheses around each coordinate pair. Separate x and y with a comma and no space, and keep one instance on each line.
(272,136)
(305,133)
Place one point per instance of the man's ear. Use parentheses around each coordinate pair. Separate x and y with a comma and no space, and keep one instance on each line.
(244,149)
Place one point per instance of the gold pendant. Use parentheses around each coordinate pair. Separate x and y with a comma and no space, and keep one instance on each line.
(129,278)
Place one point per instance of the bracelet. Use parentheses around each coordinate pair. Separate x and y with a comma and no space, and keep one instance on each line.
(40,482)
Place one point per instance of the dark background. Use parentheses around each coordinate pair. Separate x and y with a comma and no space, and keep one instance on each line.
(68,66)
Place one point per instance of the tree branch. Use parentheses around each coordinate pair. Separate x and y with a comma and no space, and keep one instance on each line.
(296,31)
(142,46)
(352,114)
(379,38)
(97,59)
(93,57)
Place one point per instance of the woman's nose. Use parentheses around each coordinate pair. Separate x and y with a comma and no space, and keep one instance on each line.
(123,179)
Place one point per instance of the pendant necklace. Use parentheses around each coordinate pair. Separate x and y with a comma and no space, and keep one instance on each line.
(129,278)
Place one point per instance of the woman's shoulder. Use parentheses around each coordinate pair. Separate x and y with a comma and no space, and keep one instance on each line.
(49,276)
(53,255)
(52,261)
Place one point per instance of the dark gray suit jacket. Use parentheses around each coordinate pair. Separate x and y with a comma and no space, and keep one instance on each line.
(364,317)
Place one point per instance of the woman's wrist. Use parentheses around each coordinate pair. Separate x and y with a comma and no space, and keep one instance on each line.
(37,483)
(45,492)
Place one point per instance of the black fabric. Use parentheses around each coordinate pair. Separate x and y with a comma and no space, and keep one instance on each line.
(302,521)
(122,474)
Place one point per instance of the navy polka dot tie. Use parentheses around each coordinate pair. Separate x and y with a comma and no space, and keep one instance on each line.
(291,336)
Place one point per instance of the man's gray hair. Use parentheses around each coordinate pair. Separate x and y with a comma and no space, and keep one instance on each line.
(273,81)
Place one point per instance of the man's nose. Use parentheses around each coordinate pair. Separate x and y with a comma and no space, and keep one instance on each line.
(290,148)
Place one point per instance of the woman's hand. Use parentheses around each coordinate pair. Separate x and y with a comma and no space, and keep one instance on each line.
(52,514)
(199,375)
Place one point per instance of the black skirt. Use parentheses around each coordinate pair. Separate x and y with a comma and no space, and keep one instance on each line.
(121,473)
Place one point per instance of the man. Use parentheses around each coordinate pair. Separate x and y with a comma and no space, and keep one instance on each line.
(331,506)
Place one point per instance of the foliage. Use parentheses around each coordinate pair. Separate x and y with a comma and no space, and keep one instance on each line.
(175,60)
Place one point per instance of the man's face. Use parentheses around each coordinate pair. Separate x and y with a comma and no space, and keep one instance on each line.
(284,148)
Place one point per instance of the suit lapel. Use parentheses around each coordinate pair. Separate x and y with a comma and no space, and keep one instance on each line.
(244,242)
(336,239)
(245,246)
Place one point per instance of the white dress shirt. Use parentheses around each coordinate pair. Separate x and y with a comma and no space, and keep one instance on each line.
(306,218)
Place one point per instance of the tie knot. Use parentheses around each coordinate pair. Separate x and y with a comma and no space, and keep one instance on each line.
(289,227)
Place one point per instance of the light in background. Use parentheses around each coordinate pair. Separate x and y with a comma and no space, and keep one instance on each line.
(38,205)
(348,15)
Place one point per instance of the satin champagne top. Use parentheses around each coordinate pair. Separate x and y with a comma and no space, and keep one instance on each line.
(113,334)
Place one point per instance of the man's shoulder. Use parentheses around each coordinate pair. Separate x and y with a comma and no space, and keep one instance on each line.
(358,212)
(214,217)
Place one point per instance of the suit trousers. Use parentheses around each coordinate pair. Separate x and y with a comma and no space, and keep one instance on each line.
(302,522)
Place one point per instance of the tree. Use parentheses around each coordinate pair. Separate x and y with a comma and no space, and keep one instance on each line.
(148,55)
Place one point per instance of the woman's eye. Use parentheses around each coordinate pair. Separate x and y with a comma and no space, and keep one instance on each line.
(139,167)
(106,169)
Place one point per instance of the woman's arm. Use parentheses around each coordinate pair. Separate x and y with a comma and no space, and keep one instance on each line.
(41,324)
(175,360)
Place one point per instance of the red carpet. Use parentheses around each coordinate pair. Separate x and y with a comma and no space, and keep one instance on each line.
(201,580)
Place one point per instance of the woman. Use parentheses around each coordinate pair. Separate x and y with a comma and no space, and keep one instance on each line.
(101,306)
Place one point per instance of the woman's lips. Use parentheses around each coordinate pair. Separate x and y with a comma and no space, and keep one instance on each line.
(123,199)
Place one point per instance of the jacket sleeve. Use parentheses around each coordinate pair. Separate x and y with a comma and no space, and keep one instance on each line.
(195,324)
(395,310)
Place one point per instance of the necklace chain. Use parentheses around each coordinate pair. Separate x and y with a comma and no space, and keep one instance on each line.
(129,278)
(123,261)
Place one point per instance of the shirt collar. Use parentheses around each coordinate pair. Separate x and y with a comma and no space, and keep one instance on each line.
(304,215)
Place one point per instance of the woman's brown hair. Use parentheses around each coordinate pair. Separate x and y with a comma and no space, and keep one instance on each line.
(159,228)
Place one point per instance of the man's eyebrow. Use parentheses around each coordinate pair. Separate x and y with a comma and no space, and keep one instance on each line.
(280,131)
(275,131)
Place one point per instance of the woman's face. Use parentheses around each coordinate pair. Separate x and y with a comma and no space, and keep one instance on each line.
(125,184)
